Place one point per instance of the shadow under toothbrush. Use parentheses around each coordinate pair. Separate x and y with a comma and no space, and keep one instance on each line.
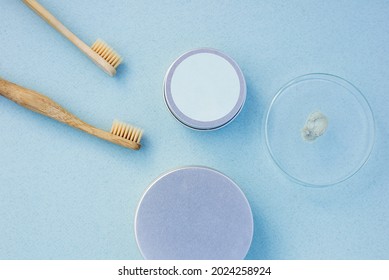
(123,72)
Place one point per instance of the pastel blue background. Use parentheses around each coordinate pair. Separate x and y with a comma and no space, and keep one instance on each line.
(67,195)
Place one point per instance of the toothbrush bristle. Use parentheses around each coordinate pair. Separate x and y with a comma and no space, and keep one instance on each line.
(127,131)
(106,52)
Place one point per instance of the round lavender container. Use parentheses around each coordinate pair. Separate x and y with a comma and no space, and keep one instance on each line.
(193,213)
(204,89)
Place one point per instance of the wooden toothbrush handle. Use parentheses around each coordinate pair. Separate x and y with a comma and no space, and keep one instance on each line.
(43,105)
(55,23)
(38,103)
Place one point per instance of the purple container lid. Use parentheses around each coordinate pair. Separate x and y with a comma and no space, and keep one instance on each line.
(204,89)
(194,213)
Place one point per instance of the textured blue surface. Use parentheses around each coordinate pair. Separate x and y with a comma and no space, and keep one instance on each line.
(68,195)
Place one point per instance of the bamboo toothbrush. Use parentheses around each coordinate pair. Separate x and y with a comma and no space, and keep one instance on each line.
(121,134)
(100,53)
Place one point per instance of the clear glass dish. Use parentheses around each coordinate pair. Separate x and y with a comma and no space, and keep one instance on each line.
(340,147)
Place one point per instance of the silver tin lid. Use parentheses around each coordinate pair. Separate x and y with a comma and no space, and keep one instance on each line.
(194,213)
(204,89)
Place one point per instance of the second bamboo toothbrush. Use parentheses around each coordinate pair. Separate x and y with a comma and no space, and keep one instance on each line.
(100,53)
(121,134)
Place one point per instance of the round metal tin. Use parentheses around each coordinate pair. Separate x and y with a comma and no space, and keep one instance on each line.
(204,89)
(193,213)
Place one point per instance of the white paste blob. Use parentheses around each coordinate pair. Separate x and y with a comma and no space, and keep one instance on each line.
(315,126)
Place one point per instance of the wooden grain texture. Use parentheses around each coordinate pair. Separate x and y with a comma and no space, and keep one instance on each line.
(43,105)
(57,25)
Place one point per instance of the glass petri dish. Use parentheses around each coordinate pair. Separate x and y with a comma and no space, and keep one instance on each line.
(340,147)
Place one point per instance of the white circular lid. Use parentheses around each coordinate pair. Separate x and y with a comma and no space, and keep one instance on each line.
(204,89)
